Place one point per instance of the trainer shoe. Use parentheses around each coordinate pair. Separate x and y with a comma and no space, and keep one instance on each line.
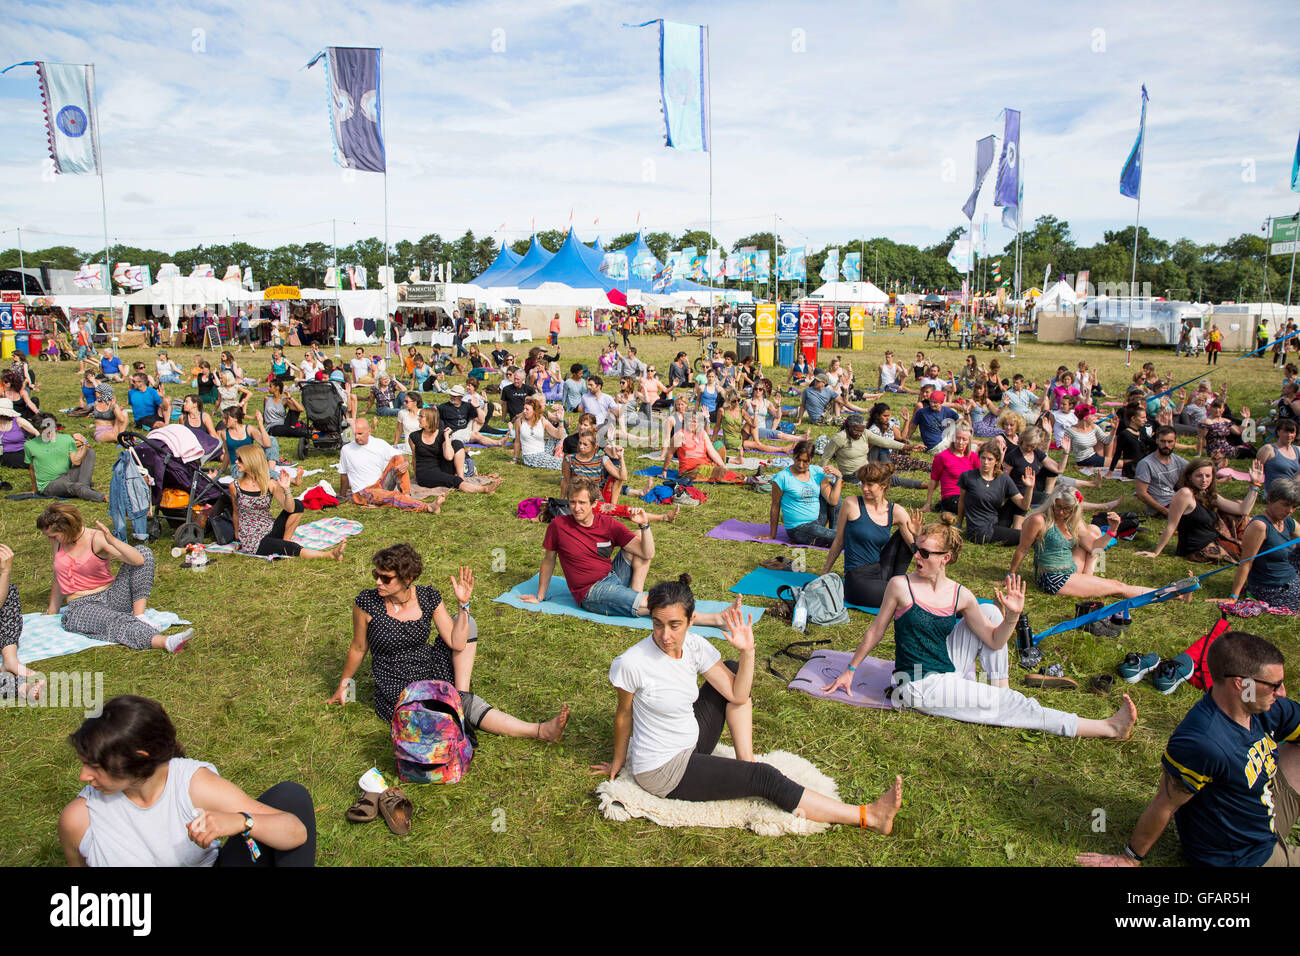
(1136,666)
(1169,674)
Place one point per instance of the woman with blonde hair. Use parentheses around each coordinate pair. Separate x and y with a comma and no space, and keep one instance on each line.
(251,497)
(941,630)
(101,604)
(1066,547)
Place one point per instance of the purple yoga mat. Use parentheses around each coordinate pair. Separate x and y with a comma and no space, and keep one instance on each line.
(734,530)
(870,682)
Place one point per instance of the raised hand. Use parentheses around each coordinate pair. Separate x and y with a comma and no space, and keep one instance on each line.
(1112,520)
(6,558)
(1013,598)
(463,586)
(1065,442)
(1030,476)
(915,522)
(738,629)
(1257,473)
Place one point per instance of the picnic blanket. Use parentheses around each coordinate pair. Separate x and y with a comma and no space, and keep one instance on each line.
(320,535)
(736,530)
(1115,474)
(622,799)
(560,601)
(43,635)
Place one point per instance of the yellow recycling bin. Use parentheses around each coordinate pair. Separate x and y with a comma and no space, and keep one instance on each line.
(857,326)
(6,344)
(765,316)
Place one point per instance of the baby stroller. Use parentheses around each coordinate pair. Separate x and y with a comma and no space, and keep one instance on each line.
(177,487)
(323,409)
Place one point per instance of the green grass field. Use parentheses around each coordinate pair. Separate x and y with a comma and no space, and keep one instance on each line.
(249,693)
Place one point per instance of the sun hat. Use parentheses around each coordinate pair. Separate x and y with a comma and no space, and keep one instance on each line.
(458,391)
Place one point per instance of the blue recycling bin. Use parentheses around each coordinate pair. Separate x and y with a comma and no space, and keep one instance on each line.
(787,331)
(20,341)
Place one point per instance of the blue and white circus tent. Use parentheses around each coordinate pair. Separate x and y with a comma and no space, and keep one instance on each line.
(506,260)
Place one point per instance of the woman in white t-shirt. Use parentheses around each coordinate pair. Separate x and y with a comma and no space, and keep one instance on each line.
(408,420)
(666,728)
(146,804)
(536,437)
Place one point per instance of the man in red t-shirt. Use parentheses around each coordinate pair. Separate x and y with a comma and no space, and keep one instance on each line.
(600,581)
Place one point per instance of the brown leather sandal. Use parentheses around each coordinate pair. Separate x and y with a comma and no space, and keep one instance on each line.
(396,809)
(365,810)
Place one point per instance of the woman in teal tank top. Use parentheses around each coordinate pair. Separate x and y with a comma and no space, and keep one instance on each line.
(863,531)
(940,631)
(1273,578)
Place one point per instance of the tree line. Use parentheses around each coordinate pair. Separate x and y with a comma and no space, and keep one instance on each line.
(1235,270)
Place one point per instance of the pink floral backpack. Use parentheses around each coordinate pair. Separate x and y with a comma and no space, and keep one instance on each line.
(430,739)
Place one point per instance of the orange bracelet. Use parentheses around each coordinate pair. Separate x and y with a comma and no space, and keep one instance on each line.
(862,816)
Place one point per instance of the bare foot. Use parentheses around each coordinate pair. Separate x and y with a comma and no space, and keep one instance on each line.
(336,552)
(1122,720)
(553,730)
(880,815)
(297,479)
(1111,505)
(32,691)
(672,515)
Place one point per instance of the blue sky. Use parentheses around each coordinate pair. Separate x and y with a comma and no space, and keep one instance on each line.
(844,119)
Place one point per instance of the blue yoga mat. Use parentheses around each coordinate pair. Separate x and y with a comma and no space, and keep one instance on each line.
(560,601)
(765,582)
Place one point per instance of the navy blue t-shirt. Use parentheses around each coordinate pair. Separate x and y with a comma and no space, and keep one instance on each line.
(1229,821)
(931,423)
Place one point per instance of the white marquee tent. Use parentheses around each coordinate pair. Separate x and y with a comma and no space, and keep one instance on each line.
(866,293)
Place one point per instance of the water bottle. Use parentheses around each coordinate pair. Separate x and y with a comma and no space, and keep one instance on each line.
(799,621)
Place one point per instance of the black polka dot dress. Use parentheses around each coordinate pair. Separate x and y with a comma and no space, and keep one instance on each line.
(400,651)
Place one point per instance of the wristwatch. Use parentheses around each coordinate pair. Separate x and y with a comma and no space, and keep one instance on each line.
(644,527)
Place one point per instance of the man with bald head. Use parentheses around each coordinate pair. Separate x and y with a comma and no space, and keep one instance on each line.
(377,474)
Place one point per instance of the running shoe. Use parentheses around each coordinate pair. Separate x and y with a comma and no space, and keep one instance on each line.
(1134,667)
(1169,674)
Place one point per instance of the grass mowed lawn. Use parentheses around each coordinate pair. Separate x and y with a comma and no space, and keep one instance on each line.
(249,692)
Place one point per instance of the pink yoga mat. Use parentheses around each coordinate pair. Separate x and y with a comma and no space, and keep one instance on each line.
(870,682)
(734,530)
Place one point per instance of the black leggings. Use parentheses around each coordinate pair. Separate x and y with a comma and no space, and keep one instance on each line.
(276,542)
(992,534)
(725,778)
(286,797)
(291,428)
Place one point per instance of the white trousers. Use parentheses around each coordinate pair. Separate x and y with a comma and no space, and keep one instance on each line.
(976,702)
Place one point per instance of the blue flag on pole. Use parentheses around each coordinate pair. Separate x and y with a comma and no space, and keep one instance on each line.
(352,76)
(851,269)
(1008,188)
(1130,180)
(1295,168)
(983,160)
(68,95)
(683,83)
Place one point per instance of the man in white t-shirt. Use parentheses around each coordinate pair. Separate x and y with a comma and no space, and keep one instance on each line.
(377,474)
(362,369)
(601,405)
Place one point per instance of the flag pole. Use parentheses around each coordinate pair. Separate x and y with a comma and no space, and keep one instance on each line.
(1137,219)
(383,133)
(1295,244)
(103,196)
(338,284)
(708,85)
(1020,221)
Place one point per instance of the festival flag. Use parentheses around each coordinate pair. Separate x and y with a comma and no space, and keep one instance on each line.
(387,278)
(331,278)
(763,265)
(414,274)
(683,83)
(203,271)
(68,96)
(961,256)
(716,265)
(1295,168)
(1130,179)
(1008,187)
(793,265)
(1011,214)
(361,276)
(830,270)
(983,160)
(168,270)
(664,277)
(352,76)
(698,269)
(851,269)
(643,266)
(232,274)
(614,265)
(248,278)
(119,273)
(89,276)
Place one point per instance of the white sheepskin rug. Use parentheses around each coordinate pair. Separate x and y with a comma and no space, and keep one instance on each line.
(621,799)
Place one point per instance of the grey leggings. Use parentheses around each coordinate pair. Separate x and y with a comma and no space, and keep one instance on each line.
(107,615)
(75,482)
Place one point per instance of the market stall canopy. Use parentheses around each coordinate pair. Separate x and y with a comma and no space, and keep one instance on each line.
(177,293)
(1057,296)
(864,292)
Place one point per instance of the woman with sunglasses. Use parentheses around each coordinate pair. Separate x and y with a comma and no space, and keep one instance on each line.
(411,637)
(940,630)
(1066,547)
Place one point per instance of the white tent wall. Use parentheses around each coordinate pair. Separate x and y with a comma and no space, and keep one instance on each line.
(170,298)
(865,293)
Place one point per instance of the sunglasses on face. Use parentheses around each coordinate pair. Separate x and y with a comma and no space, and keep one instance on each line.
(926,553)
(1274,687)
(382,577)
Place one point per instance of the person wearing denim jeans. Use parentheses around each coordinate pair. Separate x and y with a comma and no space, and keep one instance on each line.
(806,499)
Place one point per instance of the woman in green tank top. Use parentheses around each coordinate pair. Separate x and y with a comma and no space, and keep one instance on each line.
(740,431)
(1066,547)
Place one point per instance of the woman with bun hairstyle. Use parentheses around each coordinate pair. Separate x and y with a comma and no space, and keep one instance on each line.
(865,532)
(665,727)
